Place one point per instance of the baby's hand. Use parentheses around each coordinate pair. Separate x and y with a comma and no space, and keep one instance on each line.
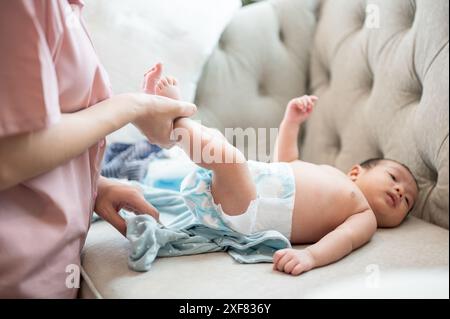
(300,108)
(293,261)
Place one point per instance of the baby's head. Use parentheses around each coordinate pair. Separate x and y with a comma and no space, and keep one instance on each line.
(389,187)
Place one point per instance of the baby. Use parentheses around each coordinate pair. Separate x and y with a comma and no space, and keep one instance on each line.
(310,204)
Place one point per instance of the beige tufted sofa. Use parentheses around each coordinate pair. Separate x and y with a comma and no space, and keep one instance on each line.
(380,69)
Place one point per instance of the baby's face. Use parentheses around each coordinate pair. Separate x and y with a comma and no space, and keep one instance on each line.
(390,190)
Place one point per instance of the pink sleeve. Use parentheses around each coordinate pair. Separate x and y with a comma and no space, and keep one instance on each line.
(28,83)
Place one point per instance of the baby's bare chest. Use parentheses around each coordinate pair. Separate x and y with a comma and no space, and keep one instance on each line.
(324,199)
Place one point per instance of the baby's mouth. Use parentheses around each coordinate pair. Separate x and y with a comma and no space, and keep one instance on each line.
(391,200)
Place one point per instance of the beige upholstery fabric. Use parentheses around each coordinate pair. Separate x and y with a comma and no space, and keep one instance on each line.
(217,275)
(261,61)
(383,91)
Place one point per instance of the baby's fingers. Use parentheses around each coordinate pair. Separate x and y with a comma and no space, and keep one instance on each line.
(312,100)
(303,108)
(298,269)
(277,256)
(290,265)
(283,261)
(301,104)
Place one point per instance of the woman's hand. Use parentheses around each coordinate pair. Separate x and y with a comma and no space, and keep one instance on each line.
(113,196)
(293,261)
(156,115)
(24,156)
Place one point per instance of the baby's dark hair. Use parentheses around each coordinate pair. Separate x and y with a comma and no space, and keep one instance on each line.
(371,163)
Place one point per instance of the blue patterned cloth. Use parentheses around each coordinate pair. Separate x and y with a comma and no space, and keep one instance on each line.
(129,161)
(181,232)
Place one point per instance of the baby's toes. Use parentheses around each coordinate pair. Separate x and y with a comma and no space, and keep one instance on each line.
(165,87)
(160,85)
(172,81)
(165,82)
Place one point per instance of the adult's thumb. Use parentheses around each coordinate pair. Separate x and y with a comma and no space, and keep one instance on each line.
(185,109)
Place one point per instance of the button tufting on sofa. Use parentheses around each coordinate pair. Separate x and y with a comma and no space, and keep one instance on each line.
(362,16)
(281,35)
(338,143)
(370,81)
(221,45)
(413,11)
(262,90)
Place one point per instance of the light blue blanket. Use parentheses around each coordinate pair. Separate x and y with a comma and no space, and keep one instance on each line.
(182,233)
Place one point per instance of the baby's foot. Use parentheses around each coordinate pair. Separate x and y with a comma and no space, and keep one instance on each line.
(168,87)
(151,78)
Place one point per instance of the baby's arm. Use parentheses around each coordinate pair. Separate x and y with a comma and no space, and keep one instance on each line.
(350,235)
(297,111)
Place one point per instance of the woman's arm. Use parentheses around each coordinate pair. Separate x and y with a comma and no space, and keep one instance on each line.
(27,155)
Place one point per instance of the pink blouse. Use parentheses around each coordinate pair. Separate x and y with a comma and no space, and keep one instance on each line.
(48,66)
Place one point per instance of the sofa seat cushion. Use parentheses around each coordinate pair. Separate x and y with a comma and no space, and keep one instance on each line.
(416,246)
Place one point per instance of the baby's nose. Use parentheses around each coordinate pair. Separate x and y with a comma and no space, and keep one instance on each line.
(399,190)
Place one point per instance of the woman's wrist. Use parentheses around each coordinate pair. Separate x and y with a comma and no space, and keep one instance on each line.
(102,182)
(132,104)
(142,107)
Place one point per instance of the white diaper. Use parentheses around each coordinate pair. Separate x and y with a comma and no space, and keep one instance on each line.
(274,205)
(271,210)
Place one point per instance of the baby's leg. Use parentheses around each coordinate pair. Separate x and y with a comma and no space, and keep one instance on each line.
(232,185)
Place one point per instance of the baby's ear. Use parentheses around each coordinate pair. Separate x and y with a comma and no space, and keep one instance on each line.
(354,172)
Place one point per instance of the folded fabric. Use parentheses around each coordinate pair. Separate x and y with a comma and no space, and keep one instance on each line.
(129,161)
(168,173)
(180,232)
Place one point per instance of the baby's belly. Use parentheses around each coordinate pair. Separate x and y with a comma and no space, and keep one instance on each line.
(314,213)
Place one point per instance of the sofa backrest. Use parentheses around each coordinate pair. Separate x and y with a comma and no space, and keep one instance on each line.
(261,61)
(380,68)
(381,71)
